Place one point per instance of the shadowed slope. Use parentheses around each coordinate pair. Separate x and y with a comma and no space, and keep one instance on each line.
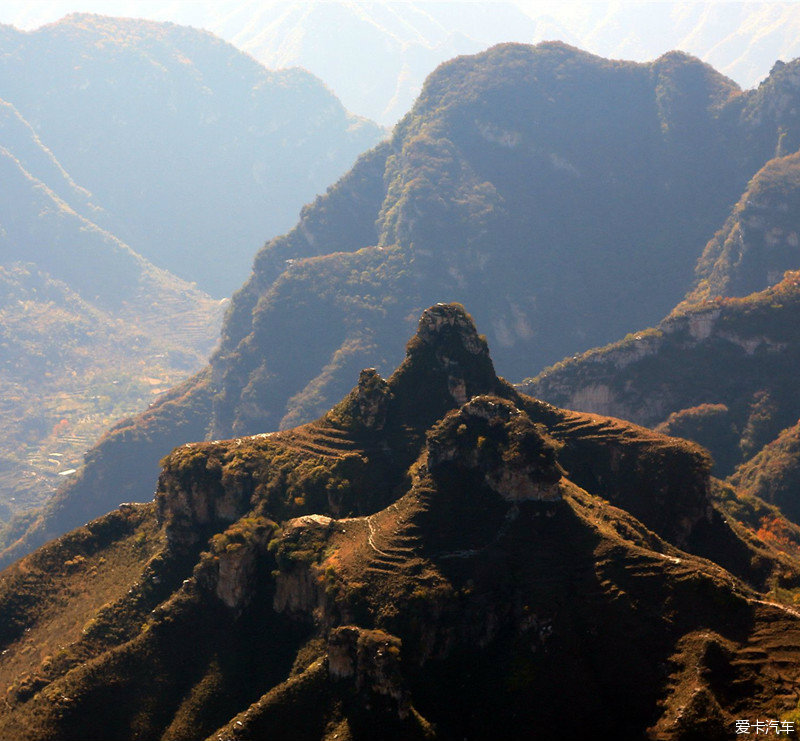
(418,563)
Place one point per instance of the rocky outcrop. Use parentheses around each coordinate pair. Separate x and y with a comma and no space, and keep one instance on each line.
(443,319)
(489,435)
(372,398)
(370,659)
(196,492)
(298,590)
(234,577)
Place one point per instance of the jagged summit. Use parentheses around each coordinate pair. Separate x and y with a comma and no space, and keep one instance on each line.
(437,322)
(447,363)
(409,566)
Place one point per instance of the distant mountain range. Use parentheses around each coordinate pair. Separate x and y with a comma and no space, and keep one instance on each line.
(375,56)
(89,330)
(129,149)
(194,150)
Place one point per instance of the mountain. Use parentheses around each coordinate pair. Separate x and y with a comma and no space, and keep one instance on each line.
(392,46)
(719,368)
(726,365)
(191,146)
(564,197)
(406,41)
(773,474)
(89,330)
(759,242)
(438,556)
(20,142)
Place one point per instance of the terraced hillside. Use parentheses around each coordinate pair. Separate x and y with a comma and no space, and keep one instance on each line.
(438,556)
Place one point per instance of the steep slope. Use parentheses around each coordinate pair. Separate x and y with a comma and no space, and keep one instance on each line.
(115,98)
(760,241)
(740,353)
(773,474)
(717,370)
(421,562)
(89,330)
(560,195)
(532,182)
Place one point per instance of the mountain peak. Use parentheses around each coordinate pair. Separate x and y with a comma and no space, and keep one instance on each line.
(442,320)
(447,363)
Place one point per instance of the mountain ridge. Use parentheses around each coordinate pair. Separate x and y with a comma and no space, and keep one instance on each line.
(263,142)
(350,608)
(477,201)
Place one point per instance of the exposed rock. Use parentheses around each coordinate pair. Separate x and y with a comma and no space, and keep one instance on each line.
(596,397)
(193,493)
(491,436)
(297,590)
(702,324)
(372,397)
(371,658)
(235,575)
(442,318)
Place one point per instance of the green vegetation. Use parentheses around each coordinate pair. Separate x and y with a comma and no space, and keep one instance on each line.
(759,242)
(774,473)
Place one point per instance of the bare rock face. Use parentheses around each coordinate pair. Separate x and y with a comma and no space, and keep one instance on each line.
(372,398)
(297,590)
(449,357)
(370,659)
(452,333)
(450,318)
(195,492)
(234,577)
(491,436)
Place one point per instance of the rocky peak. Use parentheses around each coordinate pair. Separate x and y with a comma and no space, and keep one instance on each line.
(489,435)
(448,358)
(444,320)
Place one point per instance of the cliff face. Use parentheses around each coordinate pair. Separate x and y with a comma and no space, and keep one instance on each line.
(490,436)
(738,353)
(411,567)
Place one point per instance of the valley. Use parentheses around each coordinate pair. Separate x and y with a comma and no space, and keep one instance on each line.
(260,476)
